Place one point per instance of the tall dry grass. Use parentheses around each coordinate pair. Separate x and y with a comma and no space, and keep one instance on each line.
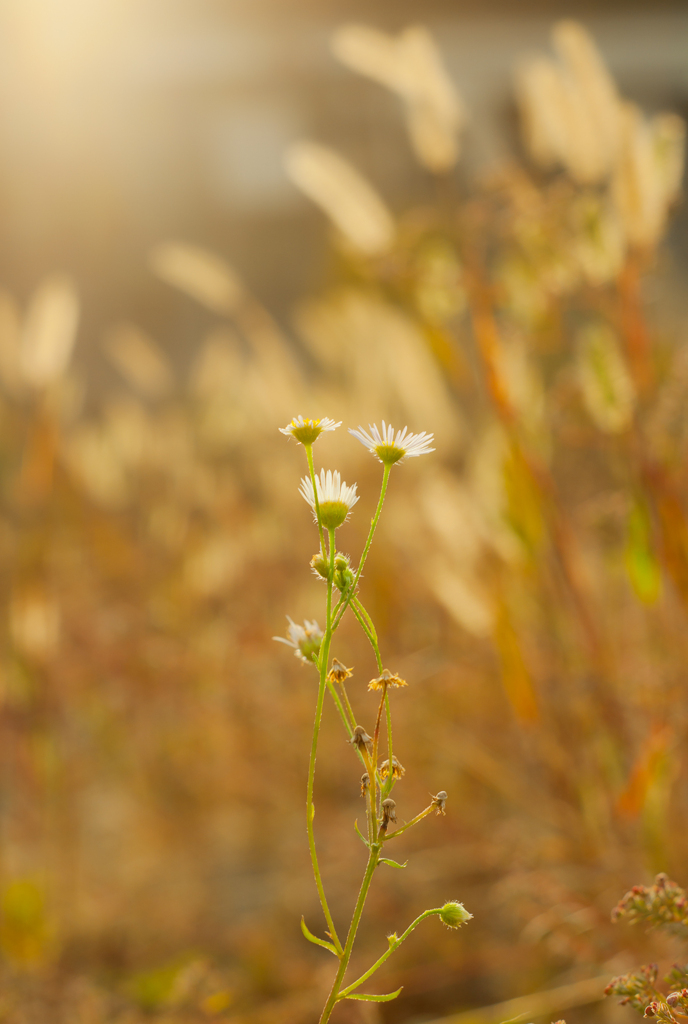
(536,580)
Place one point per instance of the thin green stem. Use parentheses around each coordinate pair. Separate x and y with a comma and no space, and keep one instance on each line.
(390,778)
(344,711)
(351,937)
(310,807)
(413,821)
(347,704)
(371,636)
(386,955)
(366,615)
(311,470)
(369,541)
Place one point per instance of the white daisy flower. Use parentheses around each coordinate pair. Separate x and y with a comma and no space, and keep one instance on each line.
(308,431)
(335,498)
(304,639)
(390,449)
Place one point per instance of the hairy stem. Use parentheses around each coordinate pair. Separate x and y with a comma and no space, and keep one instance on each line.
(369,541)
(351,937)
(310,807)
(311,470)
(386,955)
(413,821)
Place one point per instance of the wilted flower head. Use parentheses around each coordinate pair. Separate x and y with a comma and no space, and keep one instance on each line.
(386,678)
(440,801)
(304,639)
(335,498)
(454,914)
(361,739)
(389,813)
(398,770)
(338,672)
(308,431)
(391,448)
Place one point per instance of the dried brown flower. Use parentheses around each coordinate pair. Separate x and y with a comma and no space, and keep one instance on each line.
(338,672)
(440,801)
(389,813)
(398,769)
(361,739)
(386,678)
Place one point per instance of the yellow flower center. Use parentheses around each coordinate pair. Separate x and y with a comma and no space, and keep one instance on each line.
(306,432)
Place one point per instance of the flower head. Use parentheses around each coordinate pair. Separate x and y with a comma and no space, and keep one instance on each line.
(386,678)
(454,914)
(338,672)
(335,498)
(440,801)
(361,739)
(308,431)
(304,639)
(390,448)
(398,770)
(389,813)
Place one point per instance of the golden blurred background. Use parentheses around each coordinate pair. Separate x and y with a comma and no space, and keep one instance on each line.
(218,215)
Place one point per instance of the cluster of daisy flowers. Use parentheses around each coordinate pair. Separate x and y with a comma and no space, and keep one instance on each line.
(332,499)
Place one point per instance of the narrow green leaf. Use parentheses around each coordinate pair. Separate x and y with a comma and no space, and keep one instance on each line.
(318,942)
(361,836)
(375,999)
(392,863)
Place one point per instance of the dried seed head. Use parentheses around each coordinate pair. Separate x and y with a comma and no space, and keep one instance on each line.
(398,769)
(365,783)
(389,813)
(454,914)
(440,801)
(386,678)
(361,739)
(338,673)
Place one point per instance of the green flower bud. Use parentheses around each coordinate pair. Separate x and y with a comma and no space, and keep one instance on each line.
(320,565)
(454,914)
(343,576)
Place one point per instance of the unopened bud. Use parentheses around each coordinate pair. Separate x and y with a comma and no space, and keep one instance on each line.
(454,914)
(320,565)
(651,1010)
(343,576)
(673,998)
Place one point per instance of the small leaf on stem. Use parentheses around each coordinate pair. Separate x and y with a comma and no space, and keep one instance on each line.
(314,938)
(374,999)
